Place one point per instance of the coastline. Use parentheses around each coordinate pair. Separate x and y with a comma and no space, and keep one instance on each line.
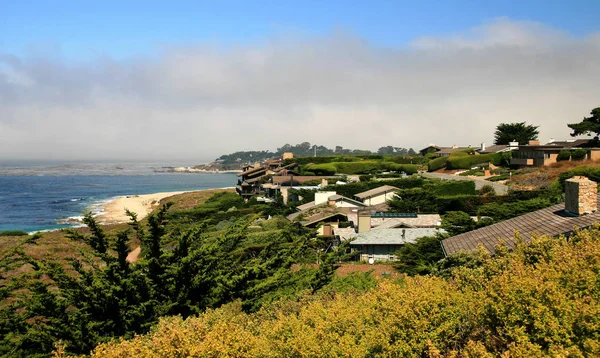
(113,211)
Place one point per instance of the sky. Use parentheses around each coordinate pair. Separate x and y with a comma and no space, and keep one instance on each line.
(191,80)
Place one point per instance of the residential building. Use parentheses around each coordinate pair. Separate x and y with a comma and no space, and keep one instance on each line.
(579,210)
(535,154)
(381,245)
(378,195)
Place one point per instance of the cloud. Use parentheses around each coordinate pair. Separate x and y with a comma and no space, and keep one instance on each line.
(198,101)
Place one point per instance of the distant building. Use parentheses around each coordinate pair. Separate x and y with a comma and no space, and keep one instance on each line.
(378,195)
(535,154)
(381,245)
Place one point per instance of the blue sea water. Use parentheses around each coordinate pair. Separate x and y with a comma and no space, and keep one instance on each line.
(37,197)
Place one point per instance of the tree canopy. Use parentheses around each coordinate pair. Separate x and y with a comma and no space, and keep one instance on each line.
(588,126)
(517,132)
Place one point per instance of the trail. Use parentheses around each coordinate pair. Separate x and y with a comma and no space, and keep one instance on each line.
(133,255)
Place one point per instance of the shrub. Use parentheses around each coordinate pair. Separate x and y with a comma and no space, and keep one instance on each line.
(437,163)
(451,187)
(579,154)
(505,211)
(563,155)
(499,177)
(487,189)
(591,173)
(467,161)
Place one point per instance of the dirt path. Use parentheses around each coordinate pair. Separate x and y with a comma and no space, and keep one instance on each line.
(133,255)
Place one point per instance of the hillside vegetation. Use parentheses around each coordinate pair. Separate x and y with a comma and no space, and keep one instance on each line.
(540,300)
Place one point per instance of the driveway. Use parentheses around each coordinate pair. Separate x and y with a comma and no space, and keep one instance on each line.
(500,189)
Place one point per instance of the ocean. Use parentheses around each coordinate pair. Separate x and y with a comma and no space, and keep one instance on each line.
(44,196)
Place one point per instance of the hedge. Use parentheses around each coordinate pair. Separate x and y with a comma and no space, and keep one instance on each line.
(360,167)
(578,154)
(437,163)
(591,173)
(467,161)
(451,187)
(563,155)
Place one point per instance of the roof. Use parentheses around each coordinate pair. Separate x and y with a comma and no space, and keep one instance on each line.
(297,178)
(393,236)
(321,216)
(569,143)
(452,150)
(494,148)
(337,197)
(552,221)
(377,191)
(306,206)
(252,171)
(421,221)
(346,233)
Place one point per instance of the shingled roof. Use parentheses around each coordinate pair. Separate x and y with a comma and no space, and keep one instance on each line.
(552,221)
(376,191)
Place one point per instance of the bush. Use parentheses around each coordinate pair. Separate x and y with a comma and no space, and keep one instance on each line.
(579,154)
(504,211)
(499,177)
(467,161)
(13,233)
(437,163)
(451,187)
(591,173)
(487,189)
(563,155)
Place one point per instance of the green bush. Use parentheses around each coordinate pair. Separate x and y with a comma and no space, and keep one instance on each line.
(563,155)
(467,161)
(591,173)
(499,177)
(322,169)
(579,154)
(451,187)
(505,211)
(360,167)
(437,163)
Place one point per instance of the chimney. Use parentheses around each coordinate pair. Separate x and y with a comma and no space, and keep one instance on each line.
(323,183)
(551,140)
(364,221)
(581,196)
(534,142)
(482,148)
(403,233)
(513,144)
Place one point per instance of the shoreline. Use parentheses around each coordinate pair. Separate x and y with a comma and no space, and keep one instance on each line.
(113,211)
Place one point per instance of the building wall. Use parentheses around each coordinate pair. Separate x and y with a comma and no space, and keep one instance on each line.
(594,154)
(378,252)
(380,199)
(323,196)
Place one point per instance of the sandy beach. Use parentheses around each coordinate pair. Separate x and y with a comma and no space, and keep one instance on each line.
(142,205)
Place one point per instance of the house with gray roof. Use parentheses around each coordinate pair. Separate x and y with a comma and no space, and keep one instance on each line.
(381,245)
(578,211)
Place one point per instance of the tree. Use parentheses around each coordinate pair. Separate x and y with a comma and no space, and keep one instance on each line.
(518,132)
(588,126)
(457,222)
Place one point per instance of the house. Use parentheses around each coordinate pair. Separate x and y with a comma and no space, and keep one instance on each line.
(498,148)
(578,210)
(428,149)
(445,152)
(381,245)
(378,195)
(369,220)
(535,154)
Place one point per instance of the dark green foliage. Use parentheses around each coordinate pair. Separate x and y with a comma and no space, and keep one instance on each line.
(351,189)
(182,270)
(504,211)
(499,177)
(588,125)
(437,163)
(354,282)
(451,187)
(519,132)
(457,222)
(468,161)
(563,155)
(487,189)
(359,167)
(421,257)
(591,173)
(579,154)
(13,233)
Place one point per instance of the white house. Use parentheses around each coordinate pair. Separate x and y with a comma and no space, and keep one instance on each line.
(378,195)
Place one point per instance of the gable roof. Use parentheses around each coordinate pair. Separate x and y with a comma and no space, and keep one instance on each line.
(321,217)
(393,236)
(252,171)
(377,191)
(337,197)
(552,221)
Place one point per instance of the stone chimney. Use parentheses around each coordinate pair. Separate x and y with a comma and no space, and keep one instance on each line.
(581,196)
(534,142)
